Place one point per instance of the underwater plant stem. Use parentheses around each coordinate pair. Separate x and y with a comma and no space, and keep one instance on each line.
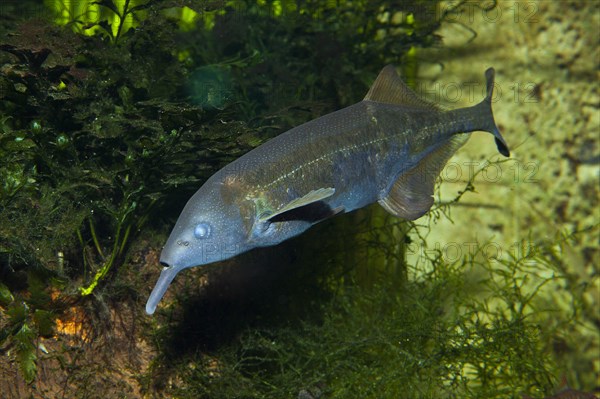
(124,241)
(119,244)
(122,19)
(80,238)
(95,238)
(118,248)
(106,267)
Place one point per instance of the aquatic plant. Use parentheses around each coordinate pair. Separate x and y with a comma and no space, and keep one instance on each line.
(76,166)
(469,329)
(108,17)
(23,321)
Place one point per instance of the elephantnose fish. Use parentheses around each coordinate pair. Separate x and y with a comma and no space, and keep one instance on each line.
(388,148)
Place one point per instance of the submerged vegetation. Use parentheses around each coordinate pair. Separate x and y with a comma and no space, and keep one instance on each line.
(115,111)
(477,327)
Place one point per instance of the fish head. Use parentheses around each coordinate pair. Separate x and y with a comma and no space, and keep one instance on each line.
(208,230)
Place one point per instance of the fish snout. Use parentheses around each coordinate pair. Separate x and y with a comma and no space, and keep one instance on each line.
(167,275)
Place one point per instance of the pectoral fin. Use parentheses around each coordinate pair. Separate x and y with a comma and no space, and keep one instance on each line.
(411,195)
(313,197)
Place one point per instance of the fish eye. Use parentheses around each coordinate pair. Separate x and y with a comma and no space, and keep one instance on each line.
(202,230)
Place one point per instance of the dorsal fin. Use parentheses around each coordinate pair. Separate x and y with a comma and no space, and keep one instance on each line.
(389,88)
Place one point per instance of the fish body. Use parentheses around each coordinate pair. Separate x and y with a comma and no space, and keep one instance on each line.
(388,148)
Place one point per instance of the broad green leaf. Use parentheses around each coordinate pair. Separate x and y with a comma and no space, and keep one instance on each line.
(26,352)
(108,4)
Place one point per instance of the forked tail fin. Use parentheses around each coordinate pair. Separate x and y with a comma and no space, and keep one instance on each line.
(486,104)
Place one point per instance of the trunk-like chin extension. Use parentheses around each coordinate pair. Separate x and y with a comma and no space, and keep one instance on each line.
(166,276)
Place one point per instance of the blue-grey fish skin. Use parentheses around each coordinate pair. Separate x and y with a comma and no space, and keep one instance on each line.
(388,148)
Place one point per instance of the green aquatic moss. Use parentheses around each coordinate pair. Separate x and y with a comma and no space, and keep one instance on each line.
(474,328)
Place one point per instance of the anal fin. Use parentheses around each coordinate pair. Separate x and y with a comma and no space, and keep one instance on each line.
(411,195)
